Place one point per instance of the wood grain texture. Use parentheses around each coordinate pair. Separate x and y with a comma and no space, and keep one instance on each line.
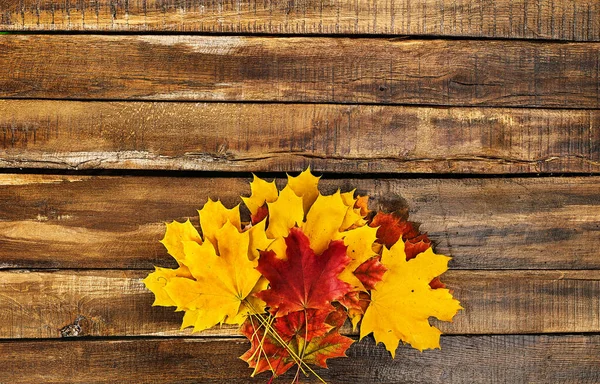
(116,303)
(283,137)
(503,359)
(337,70)
(544,19)
(57,221)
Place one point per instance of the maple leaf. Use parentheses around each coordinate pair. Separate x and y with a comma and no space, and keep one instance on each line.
(416,245)
(370,272)
(391,228)
(156,281)
(284,213)
(331,345)
(175,234)
(402,301)
(356,303)
(360,249)
(305,185)
(324,220)
(362,203)
(262,192)
(322,217)
(304,280)
(286,344)
(213,217)
(319,348)
(265,353)
(306,324)
(222,282)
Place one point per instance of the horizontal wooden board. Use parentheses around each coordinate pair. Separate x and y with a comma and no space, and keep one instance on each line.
(116,303)
(54,221)
(338,70)
(544,19)
(503,359)
(283,137)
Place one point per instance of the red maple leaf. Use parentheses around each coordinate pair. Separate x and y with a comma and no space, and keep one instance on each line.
(265,353)
(337,318)
(437,283)
(332,344)
(352,300)
(416,245)
(392,227)
(370,272)
(304,280)
(261,213)
(307,324)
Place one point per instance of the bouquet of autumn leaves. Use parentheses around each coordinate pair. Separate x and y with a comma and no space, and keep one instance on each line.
(303,265)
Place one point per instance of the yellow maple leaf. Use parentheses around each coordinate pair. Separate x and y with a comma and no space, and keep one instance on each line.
(223,282)
(213,217)
(360,249)
(262,192)
(174,235)
(321,217)
(284,213)
(353,215)
(156,281)
(402,301)
(324,220)
(258,240)
(305,185)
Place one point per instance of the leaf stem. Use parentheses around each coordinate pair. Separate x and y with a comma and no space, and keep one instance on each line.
(261,350)
(295,357)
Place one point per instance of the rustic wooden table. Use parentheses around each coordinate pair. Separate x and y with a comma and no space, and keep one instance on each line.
(482,118)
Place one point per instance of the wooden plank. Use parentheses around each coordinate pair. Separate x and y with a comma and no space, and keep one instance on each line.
(283,137)
(116,303)
(338,70)
(506,359)
(53,221)
(544,19)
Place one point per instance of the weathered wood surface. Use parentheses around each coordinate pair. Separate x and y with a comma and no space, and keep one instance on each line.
(339,70)
(544,19)
(53,221)
(116,303)
(283,137)
(503,359)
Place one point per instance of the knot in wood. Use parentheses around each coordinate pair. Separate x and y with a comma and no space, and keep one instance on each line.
(74,329)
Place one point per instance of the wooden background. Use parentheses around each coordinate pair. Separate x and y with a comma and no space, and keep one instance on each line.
(480,117)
